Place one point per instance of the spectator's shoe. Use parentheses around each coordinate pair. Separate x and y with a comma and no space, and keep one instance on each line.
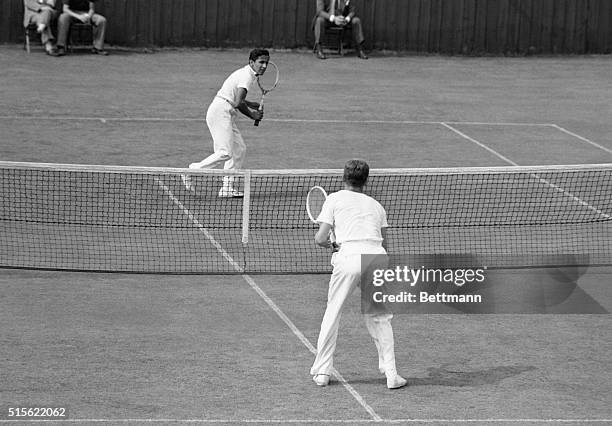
(188,183)
(230,193)
(319,52)
(361,54)
(61,51)
(396,381)
(50,49)
(40,28)
(321,379)
(99,52)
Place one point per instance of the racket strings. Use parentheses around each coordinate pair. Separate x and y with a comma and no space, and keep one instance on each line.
(315,203)
(269,79)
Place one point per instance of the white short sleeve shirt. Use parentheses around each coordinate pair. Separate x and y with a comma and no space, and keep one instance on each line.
(241,78)
(355,216)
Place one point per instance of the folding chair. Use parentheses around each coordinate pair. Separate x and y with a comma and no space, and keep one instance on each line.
(79,35)
(31,28)
(335,36)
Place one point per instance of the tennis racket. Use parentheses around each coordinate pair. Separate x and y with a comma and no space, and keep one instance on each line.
(267,82)
(314,203)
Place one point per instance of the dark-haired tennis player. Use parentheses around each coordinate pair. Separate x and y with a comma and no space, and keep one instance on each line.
(359,223)
(229,147)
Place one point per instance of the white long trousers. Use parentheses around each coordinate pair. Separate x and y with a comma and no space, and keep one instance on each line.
(345,278)
(229,147)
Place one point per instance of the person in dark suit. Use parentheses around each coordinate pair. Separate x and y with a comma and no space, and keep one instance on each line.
(338,13)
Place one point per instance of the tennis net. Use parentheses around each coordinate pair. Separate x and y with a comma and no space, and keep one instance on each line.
(125,219)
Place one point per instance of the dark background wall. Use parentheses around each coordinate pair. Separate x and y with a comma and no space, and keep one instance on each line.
(427,26)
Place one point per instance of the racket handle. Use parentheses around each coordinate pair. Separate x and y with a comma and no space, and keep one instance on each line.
(256,123)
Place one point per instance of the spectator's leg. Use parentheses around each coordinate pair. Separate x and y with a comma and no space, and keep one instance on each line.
(44,20)
(99,31)
(319,31)
(357,30)
(358,36)
(63,27)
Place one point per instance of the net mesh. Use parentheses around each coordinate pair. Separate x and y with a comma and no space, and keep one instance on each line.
(120,219)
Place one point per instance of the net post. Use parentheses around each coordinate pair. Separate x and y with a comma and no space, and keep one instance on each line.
(246,204)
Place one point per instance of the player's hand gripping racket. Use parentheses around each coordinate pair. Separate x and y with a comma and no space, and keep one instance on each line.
(267,82)
(314,203)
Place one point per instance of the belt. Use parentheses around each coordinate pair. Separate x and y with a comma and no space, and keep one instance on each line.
(226,100)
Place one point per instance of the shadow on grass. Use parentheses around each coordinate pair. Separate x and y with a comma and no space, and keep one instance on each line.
(443,376)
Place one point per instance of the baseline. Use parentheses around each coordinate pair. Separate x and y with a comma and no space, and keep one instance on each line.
(318,421)
(277,120)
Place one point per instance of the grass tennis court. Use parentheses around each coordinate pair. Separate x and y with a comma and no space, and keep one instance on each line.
(141,348)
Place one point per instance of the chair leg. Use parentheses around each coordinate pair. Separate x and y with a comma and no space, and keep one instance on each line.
(27,41)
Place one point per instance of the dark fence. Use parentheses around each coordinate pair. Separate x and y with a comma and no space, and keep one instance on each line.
(427,26)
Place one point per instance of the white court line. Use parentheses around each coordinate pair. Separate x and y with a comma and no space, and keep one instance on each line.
(557,188)
(278,120)
(595,144)
(480,144)
(266,299)
(316,421)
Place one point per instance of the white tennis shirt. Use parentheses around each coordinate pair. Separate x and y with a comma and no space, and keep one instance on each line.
(241,78)
(355,216)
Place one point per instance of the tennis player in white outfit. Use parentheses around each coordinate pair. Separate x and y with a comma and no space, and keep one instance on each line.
(229,147)
(359,223)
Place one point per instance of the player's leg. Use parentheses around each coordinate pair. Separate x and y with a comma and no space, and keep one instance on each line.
(379,327)
(219,122)
(234,163)
(343,282)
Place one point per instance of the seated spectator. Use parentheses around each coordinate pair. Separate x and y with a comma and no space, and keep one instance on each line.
(41,13)
(81,11)
(338,13)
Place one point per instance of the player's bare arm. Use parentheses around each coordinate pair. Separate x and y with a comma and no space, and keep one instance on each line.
(322,235)
(245,106)
(383,233)
(251,104)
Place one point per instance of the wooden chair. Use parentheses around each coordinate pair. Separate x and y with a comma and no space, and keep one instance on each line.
(335,38)
(79,35)
(30,29)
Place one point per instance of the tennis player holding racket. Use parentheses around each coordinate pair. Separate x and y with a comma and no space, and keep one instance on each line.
(359,223)
(229,147)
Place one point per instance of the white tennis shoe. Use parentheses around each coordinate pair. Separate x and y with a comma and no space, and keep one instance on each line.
(188,183)
(230,193)
(395,381)
(321,379)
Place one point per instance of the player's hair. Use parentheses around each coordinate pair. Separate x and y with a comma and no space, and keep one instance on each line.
(256,53)
(356,172)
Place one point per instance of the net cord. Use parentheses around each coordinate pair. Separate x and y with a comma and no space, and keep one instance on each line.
(300,172)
